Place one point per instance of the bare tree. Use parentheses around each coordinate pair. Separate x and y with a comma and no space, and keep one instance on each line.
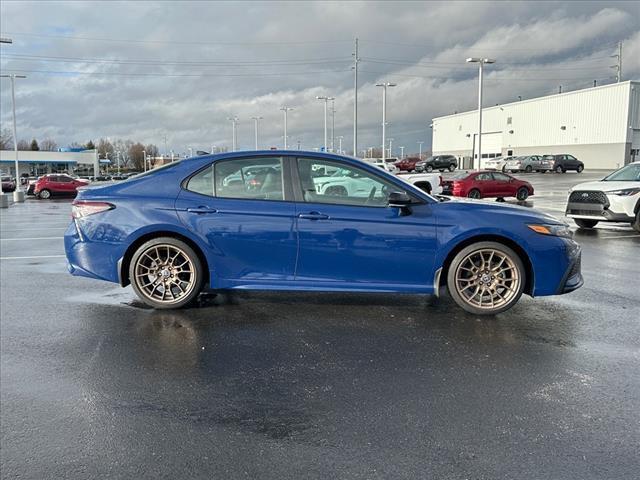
(152,150)
(105,148)
(6,139)
(24,145)
(48,145)
(136,154)
(123,147)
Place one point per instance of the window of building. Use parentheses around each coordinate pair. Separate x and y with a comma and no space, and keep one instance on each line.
(509,120)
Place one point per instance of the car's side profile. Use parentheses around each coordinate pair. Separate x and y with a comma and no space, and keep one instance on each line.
(57,184)
(487,184)
(437,162)
(561,163)
(186,226)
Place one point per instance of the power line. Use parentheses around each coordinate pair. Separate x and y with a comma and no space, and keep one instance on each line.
(157,74)
(437,65)
(469,48)
(448,77)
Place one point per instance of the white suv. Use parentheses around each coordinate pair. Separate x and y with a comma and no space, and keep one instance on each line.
(615,198)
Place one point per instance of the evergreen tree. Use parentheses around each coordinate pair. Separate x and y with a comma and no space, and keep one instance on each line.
(34,145)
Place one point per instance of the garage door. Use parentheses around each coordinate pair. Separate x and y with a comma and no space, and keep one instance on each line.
(491,145)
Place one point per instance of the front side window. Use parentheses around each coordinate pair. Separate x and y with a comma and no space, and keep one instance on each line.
(483,177)
(347,185)
(250,178)
(501,177)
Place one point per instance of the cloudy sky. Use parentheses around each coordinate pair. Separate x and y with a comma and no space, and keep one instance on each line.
(146,70)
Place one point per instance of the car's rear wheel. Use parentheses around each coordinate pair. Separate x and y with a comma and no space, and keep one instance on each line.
(636,223)
(522,194)
(528,169)
(579,169)
(585,222)
(559,169)
(166,273)
(452,168)
(474,193)
(44,194)
(486,278)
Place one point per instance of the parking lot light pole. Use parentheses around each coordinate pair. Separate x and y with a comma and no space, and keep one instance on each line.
(420,150)
(118,160)
(384,86)
(481,62)
(391,147)
(401,153)
(234,139)
(326,100)
(255,124)
(144,159)
(18,194)
(4,199)
(285,109)
(340,137)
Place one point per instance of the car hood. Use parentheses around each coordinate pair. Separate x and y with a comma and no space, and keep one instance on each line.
(497,208)
(605,186)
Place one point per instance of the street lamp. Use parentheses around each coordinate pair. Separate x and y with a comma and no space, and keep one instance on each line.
(326,100)
(481,62)
(384,86)
(340,137)
(144,159)
(190,152)
(333,124)
(401,153)
(234,139)
(285,109)
(118,160)
(391,147)
(255,125)
(18,194)
(420,150)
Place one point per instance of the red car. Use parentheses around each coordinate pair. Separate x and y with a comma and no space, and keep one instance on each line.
(407,164)
(8,184)
(486,184)
(57,184)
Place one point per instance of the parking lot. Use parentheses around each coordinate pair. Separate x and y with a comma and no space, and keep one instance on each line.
(283,385)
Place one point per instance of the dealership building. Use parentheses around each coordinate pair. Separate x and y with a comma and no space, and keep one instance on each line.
(599,125)
(35,163)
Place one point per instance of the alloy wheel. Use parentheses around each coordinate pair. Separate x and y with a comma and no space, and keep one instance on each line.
(487,279)
(165,274)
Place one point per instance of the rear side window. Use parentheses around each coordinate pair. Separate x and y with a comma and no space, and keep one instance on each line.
(249,178)
(202,182)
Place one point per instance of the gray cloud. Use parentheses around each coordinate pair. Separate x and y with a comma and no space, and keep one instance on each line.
(249,58)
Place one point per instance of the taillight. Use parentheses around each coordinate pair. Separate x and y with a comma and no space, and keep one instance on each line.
(82,208)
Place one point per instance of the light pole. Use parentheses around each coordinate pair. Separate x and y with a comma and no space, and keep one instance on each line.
(420,150)
(384,86)
(18,194)
(333,124)
(118,160)
(481,62)
(190,152)
(401,153)
(285,109)
(326,100)
(4,199)
(144,159)
(255,125)
(340,137)
(234,139)
(391,147)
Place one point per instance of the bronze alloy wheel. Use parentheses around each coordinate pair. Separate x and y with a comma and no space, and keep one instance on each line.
(166,273)
(486,278)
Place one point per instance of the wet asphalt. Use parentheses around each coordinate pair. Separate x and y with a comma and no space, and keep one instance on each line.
(291,386)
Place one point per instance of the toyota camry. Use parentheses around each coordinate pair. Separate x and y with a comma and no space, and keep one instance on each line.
(265,220)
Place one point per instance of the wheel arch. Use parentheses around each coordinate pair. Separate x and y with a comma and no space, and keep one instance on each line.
(125,261)
(526,261)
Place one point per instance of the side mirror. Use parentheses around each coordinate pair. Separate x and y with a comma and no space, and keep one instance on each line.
(399,200)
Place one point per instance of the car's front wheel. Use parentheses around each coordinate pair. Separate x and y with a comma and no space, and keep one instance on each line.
(579,169)
(585,222)
(486,278)
(522,194)
(44,194)
(166,273)
(636,223)
(452,168)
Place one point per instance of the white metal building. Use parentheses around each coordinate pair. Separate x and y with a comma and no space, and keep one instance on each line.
(39,162)
(599,125)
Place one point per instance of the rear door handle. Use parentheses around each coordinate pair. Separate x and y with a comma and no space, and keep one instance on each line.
(201,210)
(314,216)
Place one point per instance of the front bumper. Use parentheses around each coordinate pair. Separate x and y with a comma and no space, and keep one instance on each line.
(572,279)
(597,205)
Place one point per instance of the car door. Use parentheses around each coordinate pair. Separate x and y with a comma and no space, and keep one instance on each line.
(354,240)
(503,185)
(243,210)
(572,162)
(66,184)
(484,182)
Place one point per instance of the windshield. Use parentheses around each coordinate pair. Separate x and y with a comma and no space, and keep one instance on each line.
(628,173)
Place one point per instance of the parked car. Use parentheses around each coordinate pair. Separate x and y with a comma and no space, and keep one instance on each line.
(387,164)
(437,162)
(178,229)
(427,182)
(486,184)
(8,184)
(497,163)
(562,163)
(407,164)
(57,184)
(529,163)
(615,198)
(31,185)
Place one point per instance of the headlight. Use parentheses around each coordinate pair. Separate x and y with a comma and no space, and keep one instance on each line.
(554,230)
(625,192)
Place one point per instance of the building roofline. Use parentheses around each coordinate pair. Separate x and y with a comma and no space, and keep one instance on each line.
(529,100)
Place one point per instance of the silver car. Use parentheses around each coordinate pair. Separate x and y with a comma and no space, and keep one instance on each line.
(528,163)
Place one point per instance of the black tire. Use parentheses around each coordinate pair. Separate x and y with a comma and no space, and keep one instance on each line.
(585,222)
(522,194)
(44,194)
(474,193)
(580,169)
(559,169)
(429,168)
(452,168)
(636,223)
(189,289)
(528,169)
(515,274)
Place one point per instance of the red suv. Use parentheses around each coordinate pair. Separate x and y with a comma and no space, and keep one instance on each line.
(57,184)
(407,164)
(486,184)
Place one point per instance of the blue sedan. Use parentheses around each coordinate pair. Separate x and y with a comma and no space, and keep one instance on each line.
(308,221)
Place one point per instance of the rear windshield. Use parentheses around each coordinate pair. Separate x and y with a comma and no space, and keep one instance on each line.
(155,170)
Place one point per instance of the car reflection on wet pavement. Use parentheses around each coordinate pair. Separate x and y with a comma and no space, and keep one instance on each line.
(279,385)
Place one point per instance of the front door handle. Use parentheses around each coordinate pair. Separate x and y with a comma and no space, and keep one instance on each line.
(314,216)
(201,210)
